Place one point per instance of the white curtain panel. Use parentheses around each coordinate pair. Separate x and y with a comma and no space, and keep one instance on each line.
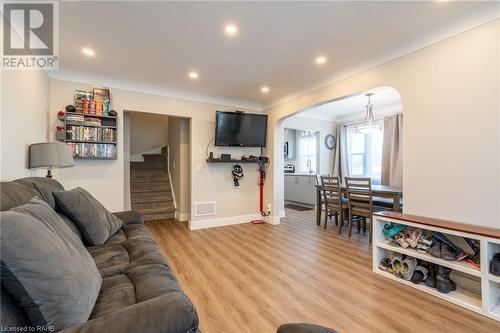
(340,165)
(392,151)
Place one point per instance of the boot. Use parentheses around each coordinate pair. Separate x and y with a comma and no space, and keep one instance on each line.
(431,276)
(474,244)
(443,282)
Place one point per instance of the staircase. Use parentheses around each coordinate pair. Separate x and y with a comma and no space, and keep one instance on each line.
(150,191)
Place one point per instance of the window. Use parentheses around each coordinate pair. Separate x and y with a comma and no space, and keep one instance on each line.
(306,151)
(364,154)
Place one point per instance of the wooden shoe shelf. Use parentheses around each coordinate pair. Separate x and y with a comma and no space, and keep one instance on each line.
(477,289)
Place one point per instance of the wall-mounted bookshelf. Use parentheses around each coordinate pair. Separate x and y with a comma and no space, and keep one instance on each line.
(89,129)
(90,136)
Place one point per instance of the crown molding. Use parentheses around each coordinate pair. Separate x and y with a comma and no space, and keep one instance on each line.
(106,81)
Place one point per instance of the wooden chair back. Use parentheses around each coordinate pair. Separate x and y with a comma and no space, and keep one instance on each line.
(359,193)
(332,193)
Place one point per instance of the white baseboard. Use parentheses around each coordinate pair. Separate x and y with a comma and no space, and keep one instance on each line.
(183,217)
(274,220)
(223,221)
(282,214)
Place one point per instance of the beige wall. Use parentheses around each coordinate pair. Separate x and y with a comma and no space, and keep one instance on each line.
(24,120)
(450,93)
(105,179)
(179,167)
(148,134)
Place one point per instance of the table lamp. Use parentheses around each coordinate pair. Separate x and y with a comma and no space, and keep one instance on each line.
(50,155)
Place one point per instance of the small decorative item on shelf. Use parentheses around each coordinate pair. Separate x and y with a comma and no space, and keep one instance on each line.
(70,108)
(61,115)
(113,113)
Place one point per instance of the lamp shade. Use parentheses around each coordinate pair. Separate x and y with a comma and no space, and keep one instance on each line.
(50,154)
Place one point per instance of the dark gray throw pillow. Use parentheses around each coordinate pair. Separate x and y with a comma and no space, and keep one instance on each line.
(96,223)
(46,268)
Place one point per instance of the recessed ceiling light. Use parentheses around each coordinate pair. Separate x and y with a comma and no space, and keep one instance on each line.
(88,52)
(320,60)
(231,29)
(264,89)
(193,75)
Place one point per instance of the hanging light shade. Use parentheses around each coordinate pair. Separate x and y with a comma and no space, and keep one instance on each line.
(368,126)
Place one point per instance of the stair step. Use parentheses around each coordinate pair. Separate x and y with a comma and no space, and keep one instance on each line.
(153,205)
(156,217)
(150,195)
(148,179)
(156,210)
(140,174)
(162,198)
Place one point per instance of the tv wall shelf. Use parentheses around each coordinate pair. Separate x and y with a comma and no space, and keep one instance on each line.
(477,289)
(218,160)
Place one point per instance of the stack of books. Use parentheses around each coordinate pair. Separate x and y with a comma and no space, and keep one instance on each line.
(101,97)
(75,118)
(92,150)
(82,133)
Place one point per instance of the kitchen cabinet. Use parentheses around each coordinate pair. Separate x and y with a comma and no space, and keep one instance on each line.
(300,188)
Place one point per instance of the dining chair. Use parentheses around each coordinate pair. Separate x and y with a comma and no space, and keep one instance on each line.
(335,204)
(359,194)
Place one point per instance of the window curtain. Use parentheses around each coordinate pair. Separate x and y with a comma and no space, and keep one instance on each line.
(392,151)
(340,163)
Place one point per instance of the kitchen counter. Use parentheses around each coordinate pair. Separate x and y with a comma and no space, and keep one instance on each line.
(303,174)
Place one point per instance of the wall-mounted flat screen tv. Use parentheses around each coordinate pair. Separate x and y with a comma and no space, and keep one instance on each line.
(238,129)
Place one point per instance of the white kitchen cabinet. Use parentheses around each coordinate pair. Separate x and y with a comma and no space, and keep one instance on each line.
(300,188)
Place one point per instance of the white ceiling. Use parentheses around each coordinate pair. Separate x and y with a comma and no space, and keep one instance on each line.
(155,44)
(385,100)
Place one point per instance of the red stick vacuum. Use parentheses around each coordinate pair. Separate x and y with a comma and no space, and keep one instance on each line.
(262,176)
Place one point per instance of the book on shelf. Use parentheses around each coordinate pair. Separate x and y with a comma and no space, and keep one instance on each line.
(93,150)
(96,102)
(82,133)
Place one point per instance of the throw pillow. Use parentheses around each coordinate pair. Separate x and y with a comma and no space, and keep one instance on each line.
(96,223)
(46,268)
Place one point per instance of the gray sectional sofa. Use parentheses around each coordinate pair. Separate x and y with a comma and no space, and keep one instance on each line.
(139,292)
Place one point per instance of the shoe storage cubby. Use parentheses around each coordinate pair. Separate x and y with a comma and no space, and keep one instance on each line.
(476,288)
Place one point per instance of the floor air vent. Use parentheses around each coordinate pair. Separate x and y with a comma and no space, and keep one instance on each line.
(204,208)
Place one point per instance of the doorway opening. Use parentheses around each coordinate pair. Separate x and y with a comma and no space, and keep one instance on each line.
(157,176)
(344,148)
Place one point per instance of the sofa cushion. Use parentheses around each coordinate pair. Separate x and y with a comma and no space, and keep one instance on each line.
(15,194)
(131,231)
(96,223)
(135,285)
(116,258)
(45,187)
(37,246)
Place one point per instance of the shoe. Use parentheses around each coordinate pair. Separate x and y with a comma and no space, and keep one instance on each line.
(397,263)
(450,250)
(495,265)
(392,229)
(430,281)
(474,259)
(401,240)
(412,235)
(420,273)
(386,265)
(443,282)
(424,243)
(435,249)
(409,265)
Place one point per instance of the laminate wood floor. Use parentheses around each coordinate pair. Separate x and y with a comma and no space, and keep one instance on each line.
(252,278)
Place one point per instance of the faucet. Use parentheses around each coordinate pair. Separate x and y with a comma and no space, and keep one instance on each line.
(309,165)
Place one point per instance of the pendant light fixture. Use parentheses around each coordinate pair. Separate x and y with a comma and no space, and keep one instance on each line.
(368,126)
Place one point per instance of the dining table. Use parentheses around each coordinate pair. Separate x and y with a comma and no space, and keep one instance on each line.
(379,191)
